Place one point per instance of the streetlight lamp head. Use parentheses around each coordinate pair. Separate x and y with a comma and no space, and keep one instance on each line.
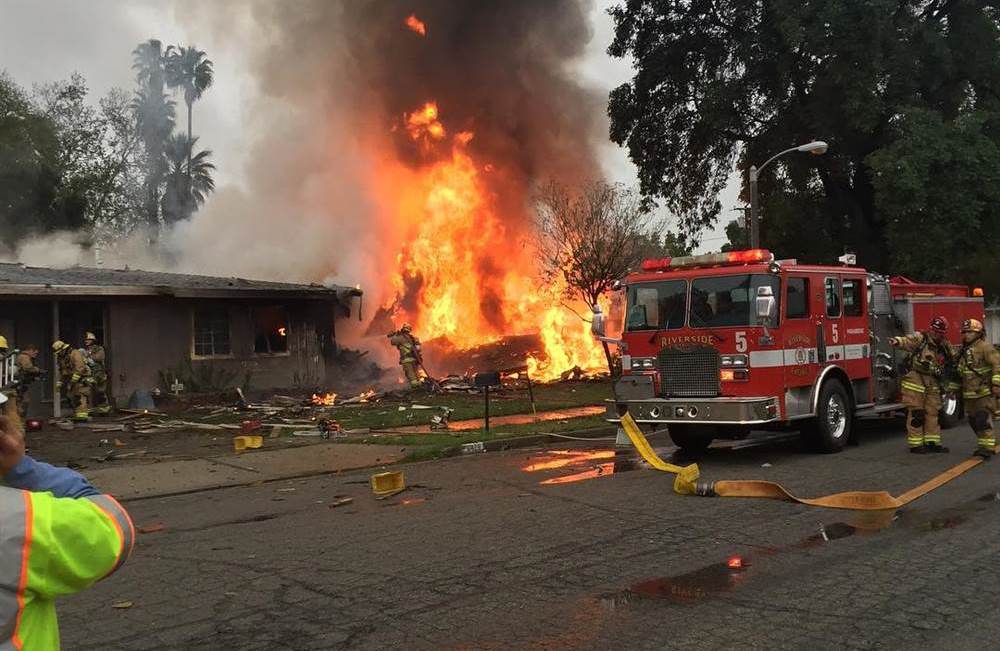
(816,147)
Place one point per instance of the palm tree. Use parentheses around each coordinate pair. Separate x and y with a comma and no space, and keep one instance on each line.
(188,180)
(188,68)
(155,117)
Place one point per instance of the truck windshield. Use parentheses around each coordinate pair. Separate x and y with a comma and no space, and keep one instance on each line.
(720,301)
(656,306)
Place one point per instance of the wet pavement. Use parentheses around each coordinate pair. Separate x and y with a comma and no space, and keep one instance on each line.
(567,548)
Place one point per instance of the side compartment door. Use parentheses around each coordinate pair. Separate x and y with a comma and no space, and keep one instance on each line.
(799,334)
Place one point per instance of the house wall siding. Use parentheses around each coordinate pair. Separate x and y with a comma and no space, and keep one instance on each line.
(147,336)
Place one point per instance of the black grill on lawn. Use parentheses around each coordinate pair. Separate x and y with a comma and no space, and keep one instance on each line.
(689,372)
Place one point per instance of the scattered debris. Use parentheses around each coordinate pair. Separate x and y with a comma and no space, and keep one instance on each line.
(385,484)
(442,421)
(241,443)
(119,443)
(471,448)
(765,465)
(151,528)
(344,501)
(249,426)
(121,605)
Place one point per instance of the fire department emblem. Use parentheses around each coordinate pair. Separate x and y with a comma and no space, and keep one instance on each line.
(800,356)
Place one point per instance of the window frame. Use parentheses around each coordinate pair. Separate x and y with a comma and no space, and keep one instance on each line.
(861,294)
(659,327)
(752,297)
(288,327)
(840,298)
(808,302)
(194,329)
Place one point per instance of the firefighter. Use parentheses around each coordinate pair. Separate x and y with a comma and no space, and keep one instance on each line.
(60,536)
(979,366)
(73,376)
(930,357)
(11,406)
(409,353)
(27,373)
(98,374)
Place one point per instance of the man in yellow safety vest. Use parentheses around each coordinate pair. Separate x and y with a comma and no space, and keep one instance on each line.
(58,536)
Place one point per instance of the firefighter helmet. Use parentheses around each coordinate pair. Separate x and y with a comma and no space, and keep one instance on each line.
(90,336)
(59,346)
(406,328)
(3,342)
(939,324)
(972,325)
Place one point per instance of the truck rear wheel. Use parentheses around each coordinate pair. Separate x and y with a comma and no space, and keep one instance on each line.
(831,429)
(691,439)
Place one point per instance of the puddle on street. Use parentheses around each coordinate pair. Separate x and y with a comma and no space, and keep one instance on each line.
(681,589)
(585,464)
(723,577)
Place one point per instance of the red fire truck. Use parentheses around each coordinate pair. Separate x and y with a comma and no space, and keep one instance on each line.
(716,345)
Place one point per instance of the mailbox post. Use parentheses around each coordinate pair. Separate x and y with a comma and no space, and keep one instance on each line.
(485,381)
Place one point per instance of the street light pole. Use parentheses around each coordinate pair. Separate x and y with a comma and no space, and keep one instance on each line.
(754,219)
(816,147)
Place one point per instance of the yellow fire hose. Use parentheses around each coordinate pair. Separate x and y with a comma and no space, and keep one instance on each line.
(686,482)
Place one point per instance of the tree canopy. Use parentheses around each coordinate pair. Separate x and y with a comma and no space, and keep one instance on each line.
(904,91)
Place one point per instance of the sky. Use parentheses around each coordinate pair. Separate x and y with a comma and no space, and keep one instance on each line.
(47,40)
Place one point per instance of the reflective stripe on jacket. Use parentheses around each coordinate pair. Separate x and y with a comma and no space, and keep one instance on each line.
(980,369)
(52,546)
(928,363)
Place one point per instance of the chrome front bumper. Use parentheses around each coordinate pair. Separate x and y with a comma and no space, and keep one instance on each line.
(697,411)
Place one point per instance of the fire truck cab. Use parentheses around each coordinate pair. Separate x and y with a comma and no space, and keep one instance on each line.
(716,345)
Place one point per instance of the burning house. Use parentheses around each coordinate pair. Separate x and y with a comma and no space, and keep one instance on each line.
(166,329)
(430,127)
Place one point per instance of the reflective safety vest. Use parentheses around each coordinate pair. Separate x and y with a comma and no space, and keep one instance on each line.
(52,546)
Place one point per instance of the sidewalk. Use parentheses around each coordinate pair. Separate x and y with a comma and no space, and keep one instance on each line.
(186,476)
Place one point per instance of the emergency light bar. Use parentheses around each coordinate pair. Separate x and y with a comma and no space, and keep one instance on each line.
(709,260)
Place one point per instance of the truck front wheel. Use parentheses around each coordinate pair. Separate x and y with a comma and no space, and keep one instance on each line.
(831,428)
(691,439)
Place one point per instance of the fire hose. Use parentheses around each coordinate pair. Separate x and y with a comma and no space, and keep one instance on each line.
(686,482)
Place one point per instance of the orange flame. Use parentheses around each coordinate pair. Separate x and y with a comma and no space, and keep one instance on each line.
(416,25)
(423,125)
(464,268)
(325,400)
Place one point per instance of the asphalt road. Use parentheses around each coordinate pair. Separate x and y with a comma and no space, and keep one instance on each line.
(481,553)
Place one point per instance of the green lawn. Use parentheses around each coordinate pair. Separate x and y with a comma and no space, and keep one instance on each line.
(440,444)
(386,414)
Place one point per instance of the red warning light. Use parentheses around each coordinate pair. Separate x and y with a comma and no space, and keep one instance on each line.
(735,563)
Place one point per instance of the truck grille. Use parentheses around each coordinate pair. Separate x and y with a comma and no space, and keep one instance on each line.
(689,372)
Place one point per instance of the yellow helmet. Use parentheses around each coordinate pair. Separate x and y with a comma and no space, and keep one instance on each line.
(972,325)
(90,336)
(3,342)
(59,346)
(406,328)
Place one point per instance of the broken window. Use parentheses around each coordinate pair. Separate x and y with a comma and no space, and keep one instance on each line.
(211,332)
(270,330)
